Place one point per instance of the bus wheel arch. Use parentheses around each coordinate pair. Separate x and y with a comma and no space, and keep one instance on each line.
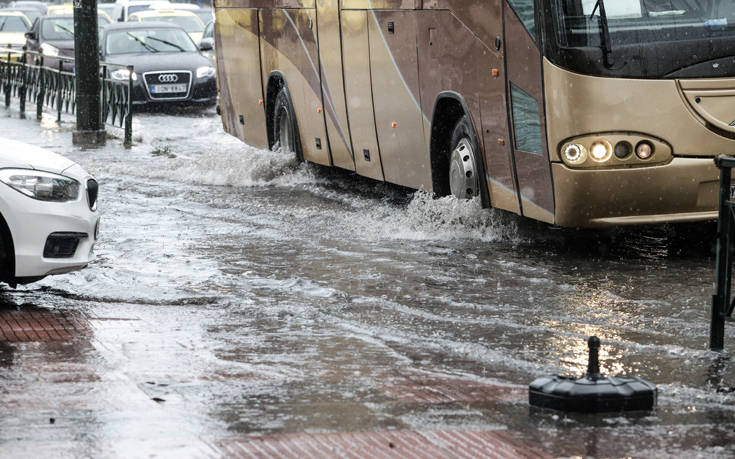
(7,254)
(453,134)
(281,116)
(276,82)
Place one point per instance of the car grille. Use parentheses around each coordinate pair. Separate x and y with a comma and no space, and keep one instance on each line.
(62,245)
(154,78)
(92,191)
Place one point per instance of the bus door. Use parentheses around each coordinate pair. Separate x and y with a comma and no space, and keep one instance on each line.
(332,81)
(524,86)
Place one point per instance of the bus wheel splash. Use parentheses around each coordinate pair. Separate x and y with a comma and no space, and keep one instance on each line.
(593,392)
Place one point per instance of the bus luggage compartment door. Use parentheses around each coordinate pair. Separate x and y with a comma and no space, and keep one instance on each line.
(398,115)
(359,93)
(333,90)
(238,75)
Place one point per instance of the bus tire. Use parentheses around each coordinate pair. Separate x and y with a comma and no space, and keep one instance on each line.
(285,128)
(465,164)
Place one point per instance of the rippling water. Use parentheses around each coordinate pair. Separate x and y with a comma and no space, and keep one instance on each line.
(291,272)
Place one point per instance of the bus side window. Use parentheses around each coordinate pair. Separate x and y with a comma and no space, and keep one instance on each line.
(525,11)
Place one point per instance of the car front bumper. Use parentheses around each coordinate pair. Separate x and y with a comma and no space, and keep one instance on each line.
(31,222)
(202,91)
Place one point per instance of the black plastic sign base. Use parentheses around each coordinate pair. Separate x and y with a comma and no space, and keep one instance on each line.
(585,395)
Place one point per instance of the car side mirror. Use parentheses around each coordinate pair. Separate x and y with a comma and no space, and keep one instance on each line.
(207,44)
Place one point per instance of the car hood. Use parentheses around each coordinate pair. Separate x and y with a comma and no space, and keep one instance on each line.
(24,156)
(66,47)
(12,38)
(150,62)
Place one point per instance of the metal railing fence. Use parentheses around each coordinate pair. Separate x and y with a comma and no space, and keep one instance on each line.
(25,75)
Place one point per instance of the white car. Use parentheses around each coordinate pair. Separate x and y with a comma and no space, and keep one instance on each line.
(48,214)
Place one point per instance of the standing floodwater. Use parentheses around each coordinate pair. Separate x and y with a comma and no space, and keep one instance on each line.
(237,292)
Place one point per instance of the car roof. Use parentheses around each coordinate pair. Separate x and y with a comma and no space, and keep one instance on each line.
(140,25)
(161,12)
(12,13)
(57,16)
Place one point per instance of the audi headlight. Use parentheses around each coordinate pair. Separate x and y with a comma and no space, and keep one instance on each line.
(43,186)
(48,50)
(205,71)
(122,75)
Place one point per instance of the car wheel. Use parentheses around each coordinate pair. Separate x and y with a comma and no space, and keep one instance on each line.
(285,128)
(7,254)
(465,165)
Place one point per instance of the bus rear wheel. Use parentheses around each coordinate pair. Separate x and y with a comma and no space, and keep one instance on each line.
(465,166)
(285,129)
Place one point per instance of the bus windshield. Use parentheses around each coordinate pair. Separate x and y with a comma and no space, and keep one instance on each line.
(644,38)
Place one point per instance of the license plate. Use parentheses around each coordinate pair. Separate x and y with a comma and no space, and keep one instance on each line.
(167,88)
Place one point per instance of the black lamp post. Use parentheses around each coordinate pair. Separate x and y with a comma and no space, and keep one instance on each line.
(90,131)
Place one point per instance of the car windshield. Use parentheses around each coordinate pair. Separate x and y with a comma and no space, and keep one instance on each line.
(135,8)
(58,29)
(191,24)
(13,24)
(111,9)
(643,21)
(148,41)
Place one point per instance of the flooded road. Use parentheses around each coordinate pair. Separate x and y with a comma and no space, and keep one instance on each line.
(238,294)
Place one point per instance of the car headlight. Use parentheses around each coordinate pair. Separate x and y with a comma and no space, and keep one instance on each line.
(205,71)
(48,50)
(122,75)
(40,185)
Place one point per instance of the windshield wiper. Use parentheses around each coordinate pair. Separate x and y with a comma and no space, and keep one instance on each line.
(605,42)
(145,45)
(165,42)
(64,29)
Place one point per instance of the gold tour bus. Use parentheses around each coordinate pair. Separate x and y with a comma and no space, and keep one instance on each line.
(581,113)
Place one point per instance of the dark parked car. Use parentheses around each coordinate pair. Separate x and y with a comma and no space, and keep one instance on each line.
(53,36)
(168,65)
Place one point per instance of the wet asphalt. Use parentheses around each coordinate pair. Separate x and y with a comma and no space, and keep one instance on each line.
(238,295)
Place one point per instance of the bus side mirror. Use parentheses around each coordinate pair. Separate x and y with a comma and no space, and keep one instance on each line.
(207,44)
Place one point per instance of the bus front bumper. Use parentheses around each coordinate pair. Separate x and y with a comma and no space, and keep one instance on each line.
(684,190)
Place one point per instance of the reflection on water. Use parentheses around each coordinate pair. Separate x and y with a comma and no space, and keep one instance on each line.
(258,295)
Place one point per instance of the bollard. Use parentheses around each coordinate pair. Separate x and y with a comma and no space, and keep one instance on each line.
(40,98)
(128,142)
(103,102)
(593,392)
(8,77)
(59,83)
(22,88)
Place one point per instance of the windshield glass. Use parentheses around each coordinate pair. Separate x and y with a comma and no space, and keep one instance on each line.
(647,38)
(644,21)
(58,29)
(149,41)
(132,9)
(191,24)
(13,24)
(111,9)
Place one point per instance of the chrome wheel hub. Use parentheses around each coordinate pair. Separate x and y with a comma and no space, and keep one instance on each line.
(464,179)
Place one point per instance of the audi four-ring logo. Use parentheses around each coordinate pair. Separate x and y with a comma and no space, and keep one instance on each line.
(168,78)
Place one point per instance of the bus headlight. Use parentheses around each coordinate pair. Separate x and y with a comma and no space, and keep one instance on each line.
(644,150)
(600,150)
(575,154)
